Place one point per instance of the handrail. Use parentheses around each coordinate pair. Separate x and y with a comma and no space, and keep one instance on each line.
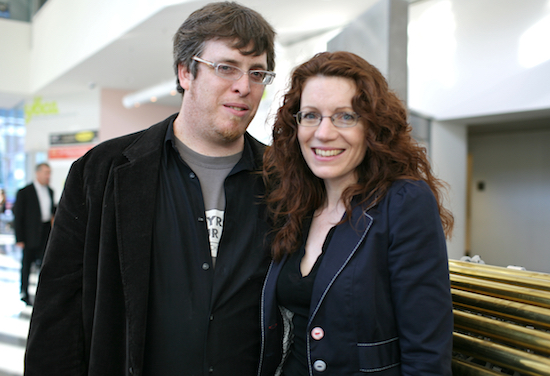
(512,334)
(501,290)
(534,280)
(501,320)
(526,314)
(463,368)
(523,362)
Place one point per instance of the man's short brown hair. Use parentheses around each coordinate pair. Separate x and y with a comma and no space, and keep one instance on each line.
(223,20)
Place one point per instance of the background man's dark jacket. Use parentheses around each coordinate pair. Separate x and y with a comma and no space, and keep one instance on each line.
(28,217)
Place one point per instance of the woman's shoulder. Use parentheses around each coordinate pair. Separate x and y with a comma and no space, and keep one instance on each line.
(408,193)
(409,187)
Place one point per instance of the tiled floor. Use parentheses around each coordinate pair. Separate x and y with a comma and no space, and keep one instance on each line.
(14,314)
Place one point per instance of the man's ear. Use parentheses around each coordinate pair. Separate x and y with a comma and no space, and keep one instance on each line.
(184,76)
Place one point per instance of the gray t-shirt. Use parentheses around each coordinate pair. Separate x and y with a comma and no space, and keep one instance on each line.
(211,172)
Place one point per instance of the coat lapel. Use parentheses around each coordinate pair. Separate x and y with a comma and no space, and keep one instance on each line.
(345,241)
(135,186)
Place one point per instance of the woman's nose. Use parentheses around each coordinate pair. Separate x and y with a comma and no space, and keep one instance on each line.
(326,130)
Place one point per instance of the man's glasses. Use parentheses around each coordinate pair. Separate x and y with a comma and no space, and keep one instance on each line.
(340,119)
(233,73)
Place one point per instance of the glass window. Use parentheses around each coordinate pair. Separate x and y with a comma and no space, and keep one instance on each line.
(12,152)
(20,10)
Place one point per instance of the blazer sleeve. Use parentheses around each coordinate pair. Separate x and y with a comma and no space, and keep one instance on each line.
(55,345)
(419,277)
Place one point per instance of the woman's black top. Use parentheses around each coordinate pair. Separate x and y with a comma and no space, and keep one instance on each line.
(294,293)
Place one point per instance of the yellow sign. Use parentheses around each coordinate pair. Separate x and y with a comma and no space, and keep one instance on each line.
(85,136)
(37,107)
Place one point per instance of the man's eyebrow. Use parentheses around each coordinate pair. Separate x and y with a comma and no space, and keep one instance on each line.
(257,66)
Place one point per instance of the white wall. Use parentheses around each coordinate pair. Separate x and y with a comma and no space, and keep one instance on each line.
(116,120)
(15,44)
(379,35)
(93,24)
(511,216)
(448,154)
(471,58)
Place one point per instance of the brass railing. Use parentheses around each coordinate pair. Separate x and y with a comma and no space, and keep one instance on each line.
(502,320)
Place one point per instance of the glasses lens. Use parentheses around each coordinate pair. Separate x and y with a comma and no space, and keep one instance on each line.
(309,119)
(261,77)
(257,77)
(228,71)
(345,119)
(268,78)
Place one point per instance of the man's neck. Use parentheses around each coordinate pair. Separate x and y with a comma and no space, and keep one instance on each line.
(210,148)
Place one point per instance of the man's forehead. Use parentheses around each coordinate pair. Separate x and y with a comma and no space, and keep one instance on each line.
(226,50)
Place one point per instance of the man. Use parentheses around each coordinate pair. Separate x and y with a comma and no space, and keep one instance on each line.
(132,284)
(33,213)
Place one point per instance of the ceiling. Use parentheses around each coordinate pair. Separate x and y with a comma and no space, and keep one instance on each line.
(143,57)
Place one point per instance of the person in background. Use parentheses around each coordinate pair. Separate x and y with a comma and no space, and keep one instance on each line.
(33,214)
(361,271)
(3,201)
(157,258)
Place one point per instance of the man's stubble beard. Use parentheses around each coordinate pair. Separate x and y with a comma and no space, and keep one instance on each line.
(232,134)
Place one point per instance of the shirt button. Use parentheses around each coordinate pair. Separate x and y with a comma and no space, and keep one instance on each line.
(200,219)
(211,317)
(211,369)
(317,333)
(205,266)
(131,370)
(319,366)
(192,175)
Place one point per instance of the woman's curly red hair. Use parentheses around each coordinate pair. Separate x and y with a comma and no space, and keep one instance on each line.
(293,192)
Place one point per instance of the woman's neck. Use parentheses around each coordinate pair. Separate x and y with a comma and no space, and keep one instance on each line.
(333,209)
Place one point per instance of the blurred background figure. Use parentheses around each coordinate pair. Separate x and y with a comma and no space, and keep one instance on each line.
(2,201)
(33,213)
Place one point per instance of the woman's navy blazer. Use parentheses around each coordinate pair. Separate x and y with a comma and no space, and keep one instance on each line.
(381,302)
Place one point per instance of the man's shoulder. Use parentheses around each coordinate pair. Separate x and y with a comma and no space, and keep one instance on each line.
(25,194)
(150,138)
(27,188)
(97,163)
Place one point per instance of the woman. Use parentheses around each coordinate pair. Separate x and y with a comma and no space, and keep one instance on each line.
(360,281)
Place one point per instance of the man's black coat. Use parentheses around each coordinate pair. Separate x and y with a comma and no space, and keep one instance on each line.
(90,312)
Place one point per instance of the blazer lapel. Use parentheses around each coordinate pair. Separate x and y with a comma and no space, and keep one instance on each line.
(345,241)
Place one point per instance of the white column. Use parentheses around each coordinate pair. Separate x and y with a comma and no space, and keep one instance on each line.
(449,152)
(380,36)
